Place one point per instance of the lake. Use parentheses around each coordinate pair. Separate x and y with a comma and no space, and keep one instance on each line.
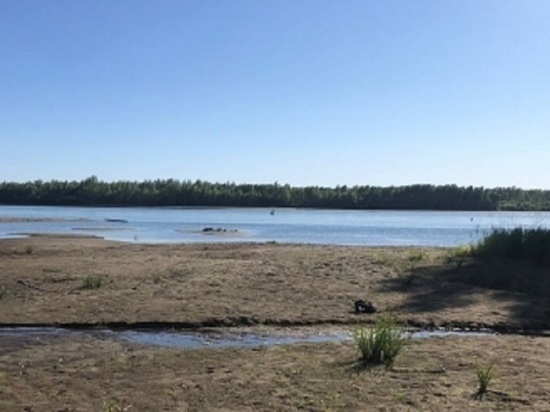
(315,226)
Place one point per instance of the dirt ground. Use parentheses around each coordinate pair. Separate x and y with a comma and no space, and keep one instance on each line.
(87,374)
(86,281)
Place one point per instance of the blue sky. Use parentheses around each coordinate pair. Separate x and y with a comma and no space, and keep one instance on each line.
(305,92)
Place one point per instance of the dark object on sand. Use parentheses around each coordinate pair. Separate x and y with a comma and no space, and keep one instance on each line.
(116,220)
(364,307)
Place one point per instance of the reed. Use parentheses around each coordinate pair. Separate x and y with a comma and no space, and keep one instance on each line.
(381,343)
(518,244)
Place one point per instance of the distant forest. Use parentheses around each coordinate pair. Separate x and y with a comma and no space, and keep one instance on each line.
(93,192)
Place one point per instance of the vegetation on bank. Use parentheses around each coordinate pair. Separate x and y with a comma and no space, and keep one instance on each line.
(170,192)
(515,260)
(284,285)
(518,244)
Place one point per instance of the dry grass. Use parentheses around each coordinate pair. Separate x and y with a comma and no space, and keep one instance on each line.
(437,374)
(250,283)
(269,284)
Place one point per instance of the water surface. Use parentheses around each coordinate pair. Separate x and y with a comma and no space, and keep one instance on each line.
(338,227)
(213,339)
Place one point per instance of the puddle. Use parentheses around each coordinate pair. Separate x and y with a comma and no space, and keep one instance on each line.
(213,338)
(194,340)
(33,332)
(436,333)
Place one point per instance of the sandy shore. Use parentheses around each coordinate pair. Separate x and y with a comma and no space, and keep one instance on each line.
(88,281)
(43,281)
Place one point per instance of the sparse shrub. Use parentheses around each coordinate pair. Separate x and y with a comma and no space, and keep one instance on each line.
(92,282)
(484,376)
(381,343)
(29,249)
(2,292)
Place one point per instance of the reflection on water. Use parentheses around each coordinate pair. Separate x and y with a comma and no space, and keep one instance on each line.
(340,227)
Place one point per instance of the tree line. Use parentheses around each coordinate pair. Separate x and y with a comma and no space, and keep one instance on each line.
(171,192)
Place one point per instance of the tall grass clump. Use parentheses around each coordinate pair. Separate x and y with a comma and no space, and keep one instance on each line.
(518,243)
(381,343)
(484,376)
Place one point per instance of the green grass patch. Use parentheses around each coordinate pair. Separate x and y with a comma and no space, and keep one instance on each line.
(381,343)
(92,282)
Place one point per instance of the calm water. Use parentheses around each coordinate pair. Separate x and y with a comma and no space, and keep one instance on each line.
(340,227)
(213,339)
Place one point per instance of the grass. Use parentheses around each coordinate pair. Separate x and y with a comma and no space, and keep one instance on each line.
(484,376)
(520,259)
(517,244)
(115,406)
(283,284)
(416,256)
(459,255)
(381,343)
(92,282)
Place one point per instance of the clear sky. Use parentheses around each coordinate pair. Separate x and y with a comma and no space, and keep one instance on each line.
(305,92)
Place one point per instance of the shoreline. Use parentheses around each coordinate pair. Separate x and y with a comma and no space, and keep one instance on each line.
(40,219)
(87,285)
(245,283)
(253,324)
